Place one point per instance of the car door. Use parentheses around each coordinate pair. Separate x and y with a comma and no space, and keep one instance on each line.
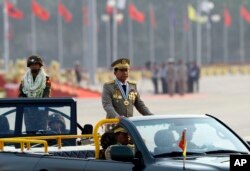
(109,165)
(50,163)
(18,161)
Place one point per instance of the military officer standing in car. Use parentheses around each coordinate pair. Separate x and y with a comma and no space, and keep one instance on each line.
(120,95)
(35,84)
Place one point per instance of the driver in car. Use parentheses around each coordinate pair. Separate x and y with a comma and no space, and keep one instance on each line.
(57,124)
(122,138)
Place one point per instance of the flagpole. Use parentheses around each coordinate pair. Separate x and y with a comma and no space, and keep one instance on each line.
(114,32)
(151,32)
(208,25)
(83,35)
(198,38)
(92,41)
(33,32)
(190,41)
(184,41)
(242,40)
(60,38)
(108,49)
(130,38)
(225,44)
(6,39)
(172,36)
(85,28)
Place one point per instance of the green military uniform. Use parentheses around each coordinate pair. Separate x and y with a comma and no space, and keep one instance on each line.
(46,91)
(118,102)
(114,104)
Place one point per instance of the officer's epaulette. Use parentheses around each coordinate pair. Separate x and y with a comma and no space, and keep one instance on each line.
(131,82)
(110,82)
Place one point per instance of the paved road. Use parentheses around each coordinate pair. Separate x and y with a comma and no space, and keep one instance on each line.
(226,97)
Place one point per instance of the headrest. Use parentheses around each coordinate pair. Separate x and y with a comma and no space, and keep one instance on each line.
(164,138)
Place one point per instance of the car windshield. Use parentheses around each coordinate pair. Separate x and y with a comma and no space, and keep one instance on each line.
(203,135)
(36,119)
(46,120)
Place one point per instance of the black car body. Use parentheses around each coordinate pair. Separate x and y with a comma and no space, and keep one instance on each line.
(155,140)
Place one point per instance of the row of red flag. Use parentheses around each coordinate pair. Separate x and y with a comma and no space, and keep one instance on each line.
(43,14)
(133,12)
(38,10)
(244,13)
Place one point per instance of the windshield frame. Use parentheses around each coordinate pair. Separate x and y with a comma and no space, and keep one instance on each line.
(20,103)
(146,121)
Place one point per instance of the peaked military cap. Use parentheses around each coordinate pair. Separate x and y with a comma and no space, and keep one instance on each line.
(119,129)
(121,63)
(34,60)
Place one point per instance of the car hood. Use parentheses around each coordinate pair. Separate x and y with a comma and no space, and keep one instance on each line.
(196,163)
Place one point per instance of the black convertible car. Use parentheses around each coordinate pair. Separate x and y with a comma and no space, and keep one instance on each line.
(155,140)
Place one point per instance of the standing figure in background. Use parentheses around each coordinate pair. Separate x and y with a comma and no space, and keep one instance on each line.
(171,76)
(181,77)
(155,76)
(193,77)
(196,70)
(78,73)
(35,84)
(163,76)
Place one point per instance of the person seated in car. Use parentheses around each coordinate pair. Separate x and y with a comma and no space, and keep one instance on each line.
(191,145)
(122,138)
(57,124)
(190,131)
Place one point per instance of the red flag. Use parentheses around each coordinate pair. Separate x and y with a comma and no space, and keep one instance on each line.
(183,143)
(227,18)
(64,12)
(109,6)
(135,14)
(13,11)
(109,9)
(152,18)
(245,14)
(39,11)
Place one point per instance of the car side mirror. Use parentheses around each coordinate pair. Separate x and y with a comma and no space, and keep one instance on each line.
(87,129)
(121,153)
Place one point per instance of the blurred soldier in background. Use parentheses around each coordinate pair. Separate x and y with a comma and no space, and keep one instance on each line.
(163,76)
(155,76)
(181,77)
(193,77)
(171,76)
(35,84)
(78,72)
(120,96)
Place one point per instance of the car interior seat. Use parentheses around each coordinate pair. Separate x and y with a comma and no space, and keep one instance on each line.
(164,141)
(5,127)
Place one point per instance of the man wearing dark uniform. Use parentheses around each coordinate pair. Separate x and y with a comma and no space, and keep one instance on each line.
(120,96)
(35,84)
